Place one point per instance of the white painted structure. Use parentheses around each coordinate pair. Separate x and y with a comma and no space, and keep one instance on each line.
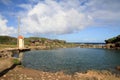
(20,42)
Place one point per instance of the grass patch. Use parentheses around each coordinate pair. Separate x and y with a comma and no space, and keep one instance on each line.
(16,61)
(2,46)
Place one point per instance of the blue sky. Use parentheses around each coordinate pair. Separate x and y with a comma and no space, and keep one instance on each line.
(70,20)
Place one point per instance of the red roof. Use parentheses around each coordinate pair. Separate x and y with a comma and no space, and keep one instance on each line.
(20,37)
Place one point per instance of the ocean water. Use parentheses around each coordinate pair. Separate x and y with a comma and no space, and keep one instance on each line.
(72,60)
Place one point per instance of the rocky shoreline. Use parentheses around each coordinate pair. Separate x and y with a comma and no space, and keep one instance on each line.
(21,73)
(92,46)
(105,46)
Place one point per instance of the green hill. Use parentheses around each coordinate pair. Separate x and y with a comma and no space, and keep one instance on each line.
(13,41)
(114,40)
(8,40)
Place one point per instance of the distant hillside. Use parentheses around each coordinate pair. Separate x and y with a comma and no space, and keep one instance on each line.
(37,41)
(8,40)
(28,41)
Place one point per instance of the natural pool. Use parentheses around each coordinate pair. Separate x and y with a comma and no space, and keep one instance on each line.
(72,60)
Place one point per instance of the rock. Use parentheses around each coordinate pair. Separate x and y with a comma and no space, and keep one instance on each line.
(6,54)
(118,68)
(29,78)
(4,76)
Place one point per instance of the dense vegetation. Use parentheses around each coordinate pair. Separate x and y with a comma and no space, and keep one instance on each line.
(45,41)
(114,40)
(8,40)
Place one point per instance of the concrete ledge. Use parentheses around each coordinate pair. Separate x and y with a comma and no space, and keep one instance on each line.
(8,52)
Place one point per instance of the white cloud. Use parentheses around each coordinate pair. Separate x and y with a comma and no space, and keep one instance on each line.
(25,6)
(68,16)
(52,17)
(4,29)
(109,5)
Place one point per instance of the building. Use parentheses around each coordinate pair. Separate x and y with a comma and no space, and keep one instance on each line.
(20,42)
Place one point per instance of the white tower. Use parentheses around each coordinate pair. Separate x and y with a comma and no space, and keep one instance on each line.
(20,42)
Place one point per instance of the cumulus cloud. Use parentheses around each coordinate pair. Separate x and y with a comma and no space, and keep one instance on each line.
(52,17)
(68,16)
(4,29)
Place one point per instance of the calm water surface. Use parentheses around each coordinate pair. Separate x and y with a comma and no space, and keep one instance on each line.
(72,60)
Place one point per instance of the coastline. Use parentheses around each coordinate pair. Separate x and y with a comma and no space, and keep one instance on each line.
(21,73)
